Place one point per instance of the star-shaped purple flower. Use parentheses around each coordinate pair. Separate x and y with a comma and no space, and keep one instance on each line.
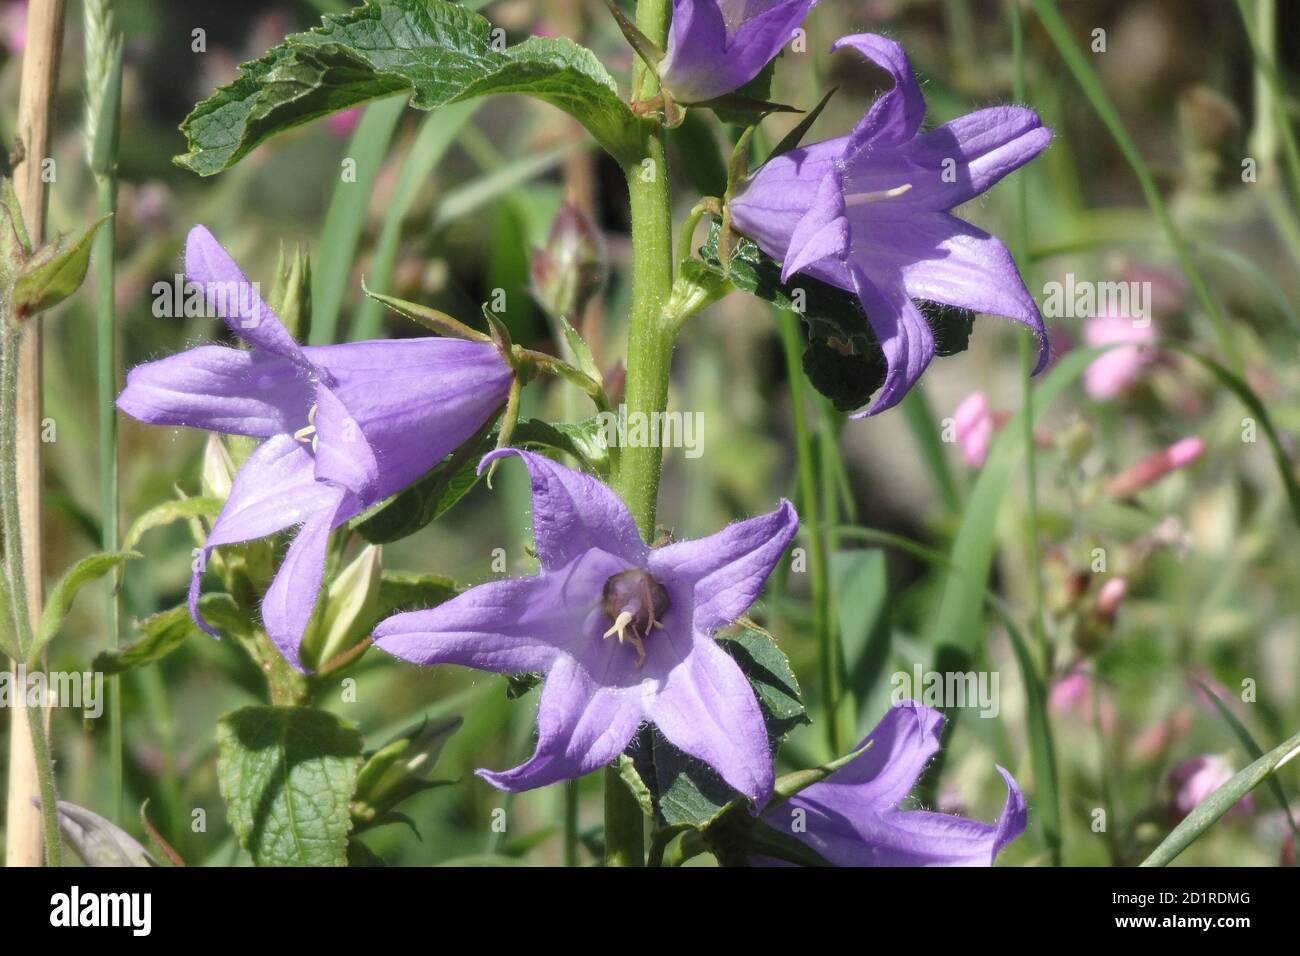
(852,818)
(623,633)
(870,214)
(345,425)
(717,46)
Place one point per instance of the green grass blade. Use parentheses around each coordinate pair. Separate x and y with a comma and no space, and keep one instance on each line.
(1247,396)
(959,620)
(1252,748)
(920,420)
(471,197)
(346,216)
(437,134)
(1088,81)
(1221,801)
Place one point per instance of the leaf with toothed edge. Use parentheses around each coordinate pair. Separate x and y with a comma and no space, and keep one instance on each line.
(435,51)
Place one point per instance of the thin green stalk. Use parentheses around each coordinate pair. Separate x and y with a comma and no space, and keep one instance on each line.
(1028,359)
(103,113)
(810,515)
(571,823)
(15,576)
(106,388)
(1090,84)
(919,417)
(649,360)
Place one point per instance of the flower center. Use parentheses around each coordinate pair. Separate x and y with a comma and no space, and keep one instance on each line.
(636,603)
(307,434)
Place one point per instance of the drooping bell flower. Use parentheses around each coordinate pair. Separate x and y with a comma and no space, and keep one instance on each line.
(345,426)
(853,817)
(870,213)
(623,633)
(717,46)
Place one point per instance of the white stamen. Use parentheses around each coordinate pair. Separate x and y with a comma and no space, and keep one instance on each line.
(861,199)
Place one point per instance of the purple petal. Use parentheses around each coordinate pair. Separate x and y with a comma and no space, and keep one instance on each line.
(823,233)
(343,454)
(900,747)
(580,728)
(951,164)
(707,709)
(234,299)
(905,338)
(897,115)
(852,818)
(725,572)
(274,490)
(512,626)
(775,200)
(574,513)
(943,259)
(289,601)
(220,389)
(415,400)
(717,46)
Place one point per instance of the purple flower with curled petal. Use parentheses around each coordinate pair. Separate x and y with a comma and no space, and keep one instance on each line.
(717,46)
(852,818)
(345,426)
(870,213)
(623,632)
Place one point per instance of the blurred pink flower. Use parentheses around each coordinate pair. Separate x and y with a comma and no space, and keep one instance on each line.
(1073,695)
(1158,738)
(973,426)
(1111,596)
(1150,470)
(342,124)
(1194,780)
(1119,368)
(13,26)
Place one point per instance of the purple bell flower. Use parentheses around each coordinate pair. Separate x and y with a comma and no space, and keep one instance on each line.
(852,818)
(870,213)
(623,633)
(345,426)
(717,46)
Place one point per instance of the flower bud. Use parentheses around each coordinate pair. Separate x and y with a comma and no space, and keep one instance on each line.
(571,269)
(218,468)
(1150,470)
(399,769)
(97,841)
(351,603)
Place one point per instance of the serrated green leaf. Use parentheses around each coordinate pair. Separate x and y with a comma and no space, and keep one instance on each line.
(287,775)
(437,51)
(403,591)
(60,598)
(166,631)
(53,273)
(584,440)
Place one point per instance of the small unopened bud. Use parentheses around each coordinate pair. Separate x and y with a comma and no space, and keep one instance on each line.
(349,611)
(399,769)
(571,269)
(1111,596)
(218,468)
(1150,470)
(97,841)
